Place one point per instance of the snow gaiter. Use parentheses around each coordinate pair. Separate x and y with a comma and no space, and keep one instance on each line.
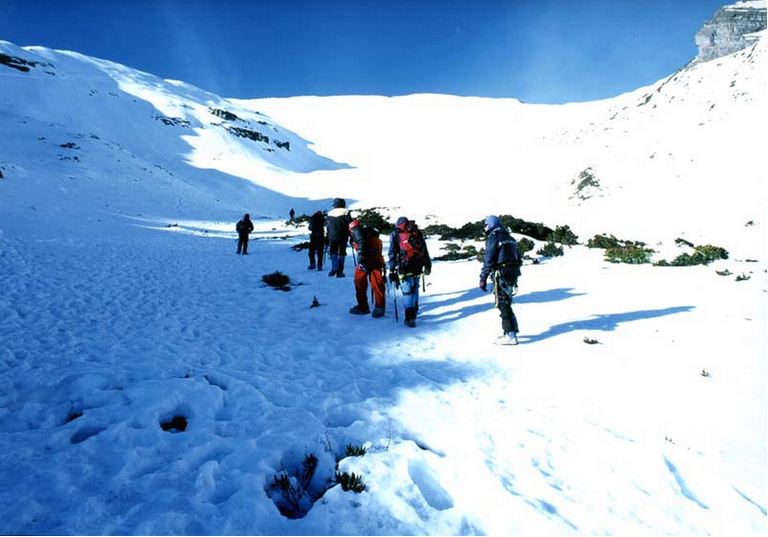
(334,265)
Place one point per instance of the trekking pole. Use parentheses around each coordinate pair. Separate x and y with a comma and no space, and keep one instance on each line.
(394,299)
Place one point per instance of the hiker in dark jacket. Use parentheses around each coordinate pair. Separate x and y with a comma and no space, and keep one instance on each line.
(502,261)
(316,240)
(338,236)
(244,228)
(408,260)
(370,266)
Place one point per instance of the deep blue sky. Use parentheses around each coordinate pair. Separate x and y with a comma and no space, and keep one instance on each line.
(549,51)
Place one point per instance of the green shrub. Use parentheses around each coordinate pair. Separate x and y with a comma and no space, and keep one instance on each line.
(372,218)
(702,255)
(470,251)
(709,253)
(563,235)
(536,230)
(630,253)
(550,250)
(456,252)
(476,230)
(604,241)
(524,246)
(445,232)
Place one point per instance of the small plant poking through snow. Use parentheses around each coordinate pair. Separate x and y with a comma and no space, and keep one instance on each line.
(589,341)
(278,280)
(355,451)
(349,482)
(293,494)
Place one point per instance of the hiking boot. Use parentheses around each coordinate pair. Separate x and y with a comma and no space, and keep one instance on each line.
(510,338)
(358,310)
(377,312)
(331,272)
(339,275)
(311,267)
(411,323)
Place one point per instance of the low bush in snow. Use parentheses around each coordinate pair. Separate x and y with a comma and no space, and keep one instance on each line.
(604,241)
(550,250)
(632,254)
(563,235)
(373,218)
(476,230)
(454,252)
(702,255)
(525,245)
(278,280)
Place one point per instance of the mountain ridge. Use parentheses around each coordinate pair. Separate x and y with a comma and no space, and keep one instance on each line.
(648,150)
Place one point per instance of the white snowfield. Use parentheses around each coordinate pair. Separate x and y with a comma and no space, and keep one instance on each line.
(634,404)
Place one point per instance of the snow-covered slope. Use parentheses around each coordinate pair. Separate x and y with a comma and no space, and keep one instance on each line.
(93,140)
(685,152)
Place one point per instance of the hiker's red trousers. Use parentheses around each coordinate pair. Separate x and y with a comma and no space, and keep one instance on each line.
(361,287)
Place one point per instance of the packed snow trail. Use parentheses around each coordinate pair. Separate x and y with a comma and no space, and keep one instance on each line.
(104,337)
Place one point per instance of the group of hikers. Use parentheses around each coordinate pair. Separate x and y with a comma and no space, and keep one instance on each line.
(408,261)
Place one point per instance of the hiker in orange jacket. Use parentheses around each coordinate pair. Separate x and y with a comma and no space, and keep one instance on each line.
(370,265)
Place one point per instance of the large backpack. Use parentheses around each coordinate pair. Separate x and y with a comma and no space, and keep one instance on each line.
(413,257)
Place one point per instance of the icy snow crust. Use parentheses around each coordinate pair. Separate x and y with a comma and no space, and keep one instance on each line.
(123,306)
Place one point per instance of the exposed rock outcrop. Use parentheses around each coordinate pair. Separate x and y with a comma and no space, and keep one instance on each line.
(730,29)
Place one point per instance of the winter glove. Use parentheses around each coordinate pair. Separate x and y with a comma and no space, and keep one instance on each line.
(427,270)
(393,277)
(362,267)
(483,285)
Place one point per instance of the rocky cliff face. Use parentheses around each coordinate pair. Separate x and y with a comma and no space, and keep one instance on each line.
(729,29)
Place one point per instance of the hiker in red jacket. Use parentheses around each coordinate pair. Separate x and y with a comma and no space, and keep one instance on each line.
(408,260)
(370,265)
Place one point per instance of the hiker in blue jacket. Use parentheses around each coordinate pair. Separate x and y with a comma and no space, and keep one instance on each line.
(502,261)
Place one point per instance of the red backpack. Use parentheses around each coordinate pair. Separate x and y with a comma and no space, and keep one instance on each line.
(412,254)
